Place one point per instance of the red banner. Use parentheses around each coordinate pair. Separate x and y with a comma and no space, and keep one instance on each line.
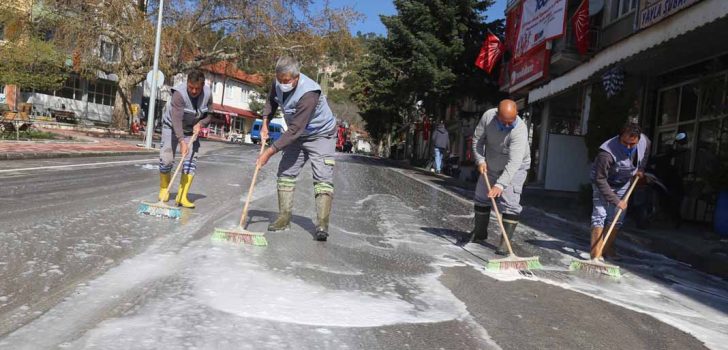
(580,24)
(529,68)
(490,53)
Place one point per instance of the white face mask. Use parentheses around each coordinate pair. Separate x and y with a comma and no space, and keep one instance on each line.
(285,87)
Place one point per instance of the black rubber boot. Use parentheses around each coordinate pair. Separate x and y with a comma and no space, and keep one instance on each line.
(480,226)
(285,209)
(510,222)
(323,212)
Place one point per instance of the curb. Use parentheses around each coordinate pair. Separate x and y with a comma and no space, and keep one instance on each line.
(40,155)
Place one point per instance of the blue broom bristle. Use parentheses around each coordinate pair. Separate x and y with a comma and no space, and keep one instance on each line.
(173,213)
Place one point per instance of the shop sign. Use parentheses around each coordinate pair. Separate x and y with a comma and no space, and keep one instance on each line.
(653,11)
(528,69)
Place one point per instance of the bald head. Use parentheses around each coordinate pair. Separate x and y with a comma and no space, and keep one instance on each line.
(507,112)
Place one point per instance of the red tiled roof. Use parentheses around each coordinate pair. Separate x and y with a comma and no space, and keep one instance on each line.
(239,112)
(230,70)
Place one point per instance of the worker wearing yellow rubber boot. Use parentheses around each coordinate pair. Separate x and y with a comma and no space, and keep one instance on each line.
(184,115)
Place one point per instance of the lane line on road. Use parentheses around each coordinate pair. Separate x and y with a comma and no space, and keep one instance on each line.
(79,165)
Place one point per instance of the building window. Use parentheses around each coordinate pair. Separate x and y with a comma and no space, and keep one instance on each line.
(700,109)
(620,8)
(71,88)
(102,92)
(109,51)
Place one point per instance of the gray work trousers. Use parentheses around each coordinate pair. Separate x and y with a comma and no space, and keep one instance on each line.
(168,148)
(510,200)
(321,151)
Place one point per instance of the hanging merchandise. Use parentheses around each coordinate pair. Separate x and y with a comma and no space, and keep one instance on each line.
(613,81)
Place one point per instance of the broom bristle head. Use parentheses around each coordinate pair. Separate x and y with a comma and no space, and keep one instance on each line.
(595,267)
(239,236)
(159,211)
(514,263)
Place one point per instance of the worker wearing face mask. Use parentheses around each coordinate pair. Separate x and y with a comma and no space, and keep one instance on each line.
(501,149)
(311,135)
(618,161)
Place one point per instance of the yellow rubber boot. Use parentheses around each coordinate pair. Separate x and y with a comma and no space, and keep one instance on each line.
(164,179)
(184,188)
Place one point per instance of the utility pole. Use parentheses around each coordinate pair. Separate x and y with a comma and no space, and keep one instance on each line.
(155,72)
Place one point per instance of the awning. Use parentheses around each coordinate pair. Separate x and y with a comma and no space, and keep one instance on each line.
(696,16)
(234,112)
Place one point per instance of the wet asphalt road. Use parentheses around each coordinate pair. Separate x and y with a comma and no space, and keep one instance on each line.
(80,269)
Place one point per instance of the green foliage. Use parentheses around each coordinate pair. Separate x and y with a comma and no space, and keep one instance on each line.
(428,55)
(26,59)
(32,63)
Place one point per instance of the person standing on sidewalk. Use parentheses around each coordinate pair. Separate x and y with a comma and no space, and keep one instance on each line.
(185,113)
(501,149)
(311,135)
(440,145)
(618,161)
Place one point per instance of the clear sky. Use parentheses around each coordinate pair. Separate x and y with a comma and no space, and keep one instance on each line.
(373,8)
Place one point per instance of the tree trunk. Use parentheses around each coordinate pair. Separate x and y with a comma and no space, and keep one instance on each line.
(122,103)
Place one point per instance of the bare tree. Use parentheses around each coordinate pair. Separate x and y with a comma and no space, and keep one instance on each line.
(117,36)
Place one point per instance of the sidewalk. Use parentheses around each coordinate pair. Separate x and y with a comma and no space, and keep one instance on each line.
(692,244)
(80,146)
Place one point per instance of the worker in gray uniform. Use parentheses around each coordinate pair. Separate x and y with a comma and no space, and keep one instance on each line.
(619,159)
(185,113)
(501,149)
(311,135)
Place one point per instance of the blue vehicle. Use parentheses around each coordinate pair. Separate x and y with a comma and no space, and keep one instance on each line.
(275,130)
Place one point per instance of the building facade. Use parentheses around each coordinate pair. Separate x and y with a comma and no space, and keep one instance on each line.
(661,63)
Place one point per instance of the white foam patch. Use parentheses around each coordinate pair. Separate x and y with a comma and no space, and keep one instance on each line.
(329,269)
(238,291)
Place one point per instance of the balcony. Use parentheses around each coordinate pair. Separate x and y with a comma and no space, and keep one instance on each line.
(565,56)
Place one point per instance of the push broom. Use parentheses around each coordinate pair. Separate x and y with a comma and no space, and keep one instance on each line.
(511,262)
(240,234)
(597,264)
(161,208)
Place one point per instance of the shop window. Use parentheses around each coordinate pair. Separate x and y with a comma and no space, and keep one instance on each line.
(71,88)
(712,103)
(706,159)
(668,106)
(688,102)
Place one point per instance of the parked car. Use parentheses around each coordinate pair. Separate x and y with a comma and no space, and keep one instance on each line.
(275,130)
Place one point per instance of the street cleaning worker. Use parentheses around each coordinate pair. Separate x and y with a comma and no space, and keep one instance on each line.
(501,149)
(440,145)
(618,161)
(185,113)
(311,135)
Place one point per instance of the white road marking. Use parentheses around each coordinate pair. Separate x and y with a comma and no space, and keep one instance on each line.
(79,165)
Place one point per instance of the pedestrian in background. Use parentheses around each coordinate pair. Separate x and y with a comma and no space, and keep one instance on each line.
(440,145)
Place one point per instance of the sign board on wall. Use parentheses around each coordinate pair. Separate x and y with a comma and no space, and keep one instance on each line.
(528,69)
(653,11)
(541,20)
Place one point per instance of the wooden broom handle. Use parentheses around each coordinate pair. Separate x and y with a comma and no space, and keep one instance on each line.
(498,216)
(252,184)
(616,217)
